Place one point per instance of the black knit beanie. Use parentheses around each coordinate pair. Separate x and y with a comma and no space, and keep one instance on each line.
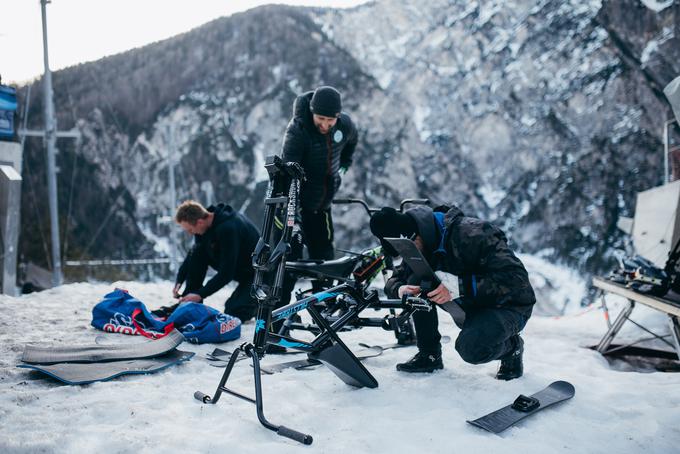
(389,223)
(326,101)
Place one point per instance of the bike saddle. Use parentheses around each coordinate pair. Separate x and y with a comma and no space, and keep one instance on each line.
(338,268)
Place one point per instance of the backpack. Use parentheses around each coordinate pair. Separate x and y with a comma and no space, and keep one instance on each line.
(120,312)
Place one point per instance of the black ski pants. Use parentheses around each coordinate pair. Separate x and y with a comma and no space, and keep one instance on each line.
(240,304)
(487,334)
(317,227)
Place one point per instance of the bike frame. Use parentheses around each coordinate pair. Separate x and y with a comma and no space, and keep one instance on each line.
(269,264)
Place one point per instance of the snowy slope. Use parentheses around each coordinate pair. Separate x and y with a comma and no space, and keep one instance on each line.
(612,411)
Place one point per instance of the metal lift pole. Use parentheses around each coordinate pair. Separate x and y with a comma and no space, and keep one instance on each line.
(50,139)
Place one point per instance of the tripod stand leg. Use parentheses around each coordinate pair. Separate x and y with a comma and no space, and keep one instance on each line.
(280,430)
(206,399)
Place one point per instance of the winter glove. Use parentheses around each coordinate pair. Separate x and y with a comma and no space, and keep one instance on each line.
(450,281)
(295,170)
(343,170)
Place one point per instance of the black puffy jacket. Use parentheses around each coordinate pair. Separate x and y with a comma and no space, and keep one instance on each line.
(321,155)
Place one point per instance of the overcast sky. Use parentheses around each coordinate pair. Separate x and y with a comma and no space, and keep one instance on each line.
(86,30)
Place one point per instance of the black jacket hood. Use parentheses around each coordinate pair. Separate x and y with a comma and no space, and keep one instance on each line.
(222,212)
(301,109)
(424,218)
(454,214)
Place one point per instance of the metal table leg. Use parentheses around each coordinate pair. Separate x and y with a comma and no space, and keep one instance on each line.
(616,327)
(605,309)
(675,332)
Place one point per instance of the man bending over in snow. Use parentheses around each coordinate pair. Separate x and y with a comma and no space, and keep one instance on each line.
(224,239)
(478,272)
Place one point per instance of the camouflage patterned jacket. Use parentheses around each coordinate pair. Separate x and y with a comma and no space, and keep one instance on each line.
(478,253)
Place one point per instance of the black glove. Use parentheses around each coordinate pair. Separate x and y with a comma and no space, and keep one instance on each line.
(295,170)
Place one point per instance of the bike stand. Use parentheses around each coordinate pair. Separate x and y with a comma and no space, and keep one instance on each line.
(268,261)
(345,365)
(339,358)
(249,350)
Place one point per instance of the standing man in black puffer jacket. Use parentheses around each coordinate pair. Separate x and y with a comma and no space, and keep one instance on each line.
(322,140)
(488,285)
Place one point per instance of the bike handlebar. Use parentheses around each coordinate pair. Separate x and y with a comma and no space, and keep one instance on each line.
(370,210)
(359,201)
(413,202)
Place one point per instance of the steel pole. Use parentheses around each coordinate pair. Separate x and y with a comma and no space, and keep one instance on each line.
(50,139)
(666,179)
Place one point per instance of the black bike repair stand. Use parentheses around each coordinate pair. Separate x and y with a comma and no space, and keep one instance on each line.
(269,265)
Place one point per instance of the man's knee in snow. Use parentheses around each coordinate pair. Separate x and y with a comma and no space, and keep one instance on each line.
(473,350)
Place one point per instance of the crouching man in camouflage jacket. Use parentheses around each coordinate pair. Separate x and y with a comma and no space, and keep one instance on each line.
(479,273)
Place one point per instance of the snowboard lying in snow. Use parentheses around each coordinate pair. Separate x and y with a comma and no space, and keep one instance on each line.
(220,358)
(524,407)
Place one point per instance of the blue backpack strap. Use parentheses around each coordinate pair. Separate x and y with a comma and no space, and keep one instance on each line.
(441,250)
(439,221)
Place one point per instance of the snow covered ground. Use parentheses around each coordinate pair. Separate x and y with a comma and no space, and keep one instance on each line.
(613,411)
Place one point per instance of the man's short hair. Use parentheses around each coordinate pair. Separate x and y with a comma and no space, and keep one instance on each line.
(190,211)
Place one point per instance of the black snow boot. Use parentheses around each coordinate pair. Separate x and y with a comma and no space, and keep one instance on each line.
(511,365)
(422,362)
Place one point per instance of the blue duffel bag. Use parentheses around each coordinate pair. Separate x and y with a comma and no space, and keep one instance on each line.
(121,312)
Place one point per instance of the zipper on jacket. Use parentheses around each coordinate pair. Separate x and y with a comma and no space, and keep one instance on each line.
(329,156)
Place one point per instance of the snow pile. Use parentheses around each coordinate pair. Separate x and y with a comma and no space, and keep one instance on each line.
(559,290)
(657,5)
(612,411)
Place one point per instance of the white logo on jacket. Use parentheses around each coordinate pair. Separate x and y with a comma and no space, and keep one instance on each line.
(337,137)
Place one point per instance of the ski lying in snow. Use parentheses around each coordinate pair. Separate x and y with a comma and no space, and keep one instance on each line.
(444,340)
(524,407)
(223,355)
(305,363)
(220,358)
(218,355)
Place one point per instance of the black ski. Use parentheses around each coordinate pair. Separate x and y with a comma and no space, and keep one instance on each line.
(428,280)
(223,355)
(305,363)
(220,358)
(218,355)
(444,340)
(524,407)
